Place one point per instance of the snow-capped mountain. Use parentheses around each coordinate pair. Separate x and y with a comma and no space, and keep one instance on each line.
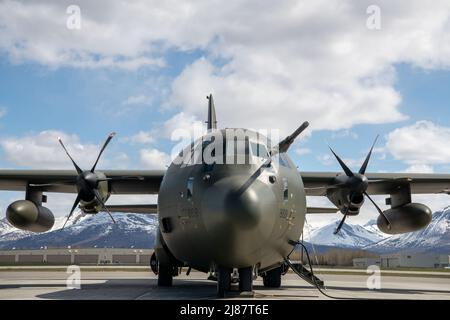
(434,238)
(9,233)
(373,227)
(90,231)
(140,231)
(350,236)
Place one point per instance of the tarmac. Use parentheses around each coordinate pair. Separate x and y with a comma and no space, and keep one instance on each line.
(123,284)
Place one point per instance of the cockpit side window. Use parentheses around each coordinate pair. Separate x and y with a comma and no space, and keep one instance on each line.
(285,189)
(190,188)
(284,161)
(259,150)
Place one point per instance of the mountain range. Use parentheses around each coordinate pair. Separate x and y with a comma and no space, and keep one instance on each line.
(130,230)
(139,231)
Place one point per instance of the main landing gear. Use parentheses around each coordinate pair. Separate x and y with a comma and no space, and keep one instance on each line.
(272,278)
(165,273)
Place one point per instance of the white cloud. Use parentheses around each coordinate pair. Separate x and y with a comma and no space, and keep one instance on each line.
(303,151)
(137,100)
(435,202)
(249,98)
(36,31)
(184,124)
(287,66)
(420,145)
(325,159)
(344,134)
(142,137)
(3,111)
(44,152)
(292,60)
(154,159)
(419,168)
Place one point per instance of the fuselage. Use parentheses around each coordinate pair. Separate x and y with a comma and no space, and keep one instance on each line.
(235,213)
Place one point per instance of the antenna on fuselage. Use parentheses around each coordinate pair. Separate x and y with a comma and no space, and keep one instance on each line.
(212,120)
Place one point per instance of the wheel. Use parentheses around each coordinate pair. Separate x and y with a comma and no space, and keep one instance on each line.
(165,276)
(223,282)
(272,278)
(154,264)
(246,279)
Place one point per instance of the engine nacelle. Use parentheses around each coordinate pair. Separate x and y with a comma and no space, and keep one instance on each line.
(26,215)
(341,199)
(94,206)
(408,218)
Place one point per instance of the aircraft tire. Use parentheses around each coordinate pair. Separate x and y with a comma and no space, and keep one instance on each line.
(246,279)
(165,276)
(223,282)
(272,278)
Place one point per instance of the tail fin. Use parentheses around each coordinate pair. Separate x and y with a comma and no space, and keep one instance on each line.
(212,120)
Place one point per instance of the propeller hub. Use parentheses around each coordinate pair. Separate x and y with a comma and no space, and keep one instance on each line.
(90,178)
(358,183)
(87,181)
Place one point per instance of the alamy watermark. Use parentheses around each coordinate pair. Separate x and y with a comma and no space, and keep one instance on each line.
(74,279)
(228,146)
(374,280)
(373,21)
(73,21)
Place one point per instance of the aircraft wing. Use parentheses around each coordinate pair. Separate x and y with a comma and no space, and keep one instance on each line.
(316,183)
(62,181)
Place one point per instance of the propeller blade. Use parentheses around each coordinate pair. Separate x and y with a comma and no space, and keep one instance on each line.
(379,210)
(81,215)
(79,171)
(366,162)
(346,169)
(340,224)
(99,199)
(345,216)
(77,201)
(108,140)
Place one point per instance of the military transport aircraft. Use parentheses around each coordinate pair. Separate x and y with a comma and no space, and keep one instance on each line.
(228,202)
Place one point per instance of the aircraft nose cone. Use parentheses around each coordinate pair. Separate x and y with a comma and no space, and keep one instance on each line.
(242,209)
(239,218)
(229,203)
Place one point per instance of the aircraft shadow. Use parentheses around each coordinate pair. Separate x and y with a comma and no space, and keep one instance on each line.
(195,289)
(331,289)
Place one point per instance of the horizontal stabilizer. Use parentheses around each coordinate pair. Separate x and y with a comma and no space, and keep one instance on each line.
(315,210)
(135,208)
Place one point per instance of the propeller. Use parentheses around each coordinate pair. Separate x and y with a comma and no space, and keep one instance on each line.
(87,181)
(357,183)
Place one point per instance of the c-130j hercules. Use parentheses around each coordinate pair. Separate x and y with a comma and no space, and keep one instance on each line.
(226,215)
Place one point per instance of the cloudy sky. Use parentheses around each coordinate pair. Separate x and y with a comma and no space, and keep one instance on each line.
(143,68)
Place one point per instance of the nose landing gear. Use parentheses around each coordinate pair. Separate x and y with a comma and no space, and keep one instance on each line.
(225,278)
(246,279)
(223,282)
(165,273)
